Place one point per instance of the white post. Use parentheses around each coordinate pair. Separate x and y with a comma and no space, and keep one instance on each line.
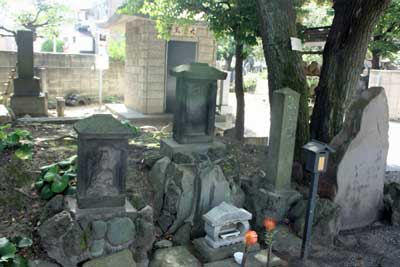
(100,87)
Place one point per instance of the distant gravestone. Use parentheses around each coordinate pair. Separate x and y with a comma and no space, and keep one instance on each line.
(360,161)
(27,98)
(102,160)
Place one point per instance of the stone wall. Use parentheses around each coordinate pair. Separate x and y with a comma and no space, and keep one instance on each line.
(146,63)
(63,74)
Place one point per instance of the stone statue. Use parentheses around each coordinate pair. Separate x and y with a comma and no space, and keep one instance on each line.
(102,179)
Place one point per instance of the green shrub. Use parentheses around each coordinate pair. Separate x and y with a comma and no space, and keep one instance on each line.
(135,130)
(47,46)
(116,50)
(9,249)
(250,83)
(19,140)
(57,178)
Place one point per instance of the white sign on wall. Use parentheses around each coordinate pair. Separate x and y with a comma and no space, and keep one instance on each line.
(102,62)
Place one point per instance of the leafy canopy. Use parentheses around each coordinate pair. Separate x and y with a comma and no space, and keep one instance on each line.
(43,17)
(235,18)
(386,37)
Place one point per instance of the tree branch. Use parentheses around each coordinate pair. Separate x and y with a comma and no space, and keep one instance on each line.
(8,30)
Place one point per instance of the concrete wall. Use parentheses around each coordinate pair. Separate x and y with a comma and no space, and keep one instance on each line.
(64,74)
(145,68)
(390,80)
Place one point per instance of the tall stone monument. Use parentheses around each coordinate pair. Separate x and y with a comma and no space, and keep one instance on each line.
(275,196)
(194,117)
(27,98)
(358,169)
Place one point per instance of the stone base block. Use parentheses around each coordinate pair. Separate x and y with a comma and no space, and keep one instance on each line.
(210,254)
(120,259)
(273,204)
(34,106)
(169,147)
(255,259)
(27,87)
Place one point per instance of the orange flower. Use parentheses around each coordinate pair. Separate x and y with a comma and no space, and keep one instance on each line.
(250,238)
(270,224)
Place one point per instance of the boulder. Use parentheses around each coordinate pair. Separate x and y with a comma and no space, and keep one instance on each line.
(5,115)
(119,259)
(392,202)
(54,206)
(359,164)
(174,257)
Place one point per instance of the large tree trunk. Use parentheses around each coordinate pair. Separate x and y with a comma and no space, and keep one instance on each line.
(343,59)
(239,124)
(285,67)
(376,60)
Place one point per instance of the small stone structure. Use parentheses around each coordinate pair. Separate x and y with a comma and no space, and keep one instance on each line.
(273,196)
(194,116)
(226,225)
(27,98)
(359,164)
(100,220)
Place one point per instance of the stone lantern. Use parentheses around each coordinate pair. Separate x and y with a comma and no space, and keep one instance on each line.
(194,118)
(102,162)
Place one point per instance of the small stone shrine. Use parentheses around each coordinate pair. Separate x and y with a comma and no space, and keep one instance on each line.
(99,221)
(194,117)
(27,98)
(225,227)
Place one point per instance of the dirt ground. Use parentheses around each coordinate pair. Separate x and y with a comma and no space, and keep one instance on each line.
(20,206)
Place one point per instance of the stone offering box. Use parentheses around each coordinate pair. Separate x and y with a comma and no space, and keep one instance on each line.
(196,93)
(102,161)
(226,225)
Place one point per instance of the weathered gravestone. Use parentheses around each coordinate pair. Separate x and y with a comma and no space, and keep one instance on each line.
(275,195)
(100,220)
(194,117)
(27,98)
(359,165)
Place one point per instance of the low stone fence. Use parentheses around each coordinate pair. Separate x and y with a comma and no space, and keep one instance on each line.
(63,74)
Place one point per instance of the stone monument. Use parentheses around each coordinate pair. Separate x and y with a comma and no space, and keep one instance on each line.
(275,196)
(194,117)
(225,227)
(99,221)
(358,170)
(27,98)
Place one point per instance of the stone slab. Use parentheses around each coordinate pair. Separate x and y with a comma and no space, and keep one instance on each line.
(174,257)
(49,120)
(124,112)
(5,115)
(120,259)
(255,259)
(210,254)
(34,106)
(169,147)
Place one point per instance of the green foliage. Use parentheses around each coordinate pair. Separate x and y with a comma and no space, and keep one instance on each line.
(47,46)
(226,47)
(9,249)
(20,141)
(250,82)
(57,178)
(116,49)
(43,18)
(386,36)
(135,130)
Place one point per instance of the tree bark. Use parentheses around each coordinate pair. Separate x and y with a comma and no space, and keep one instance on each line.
(343,59)
(239,123)
(376,60)
(285,67)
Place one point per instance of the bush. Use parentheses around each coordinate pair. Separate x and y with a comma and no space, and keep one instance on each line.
(47,46)
(9,249)
(116,49)
(250,83)
(19,140)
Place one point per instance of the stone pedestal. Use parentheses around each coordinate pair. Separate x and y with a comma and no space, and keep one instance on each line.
(170,147)
(34,106)
(210,254)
